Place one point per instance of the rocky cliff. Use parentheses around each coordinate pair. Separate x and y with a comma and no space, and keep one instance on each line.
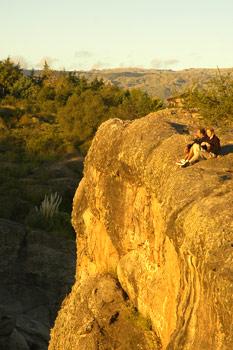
(154,243)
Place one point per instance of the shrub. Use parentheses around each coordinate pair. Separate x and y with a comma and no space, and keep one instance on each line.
(50,205)
(48,217)
(42,140)
(214,100)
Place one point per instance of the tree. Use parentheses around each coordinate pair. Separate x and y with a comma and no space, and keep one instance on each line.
(96,84)
(214,100)
(48,76)
(10,73)
(23,87)
(46,70)
(81,116)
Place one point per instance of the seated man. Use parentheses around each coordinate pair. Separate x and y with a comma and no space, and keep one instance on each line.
(209,148)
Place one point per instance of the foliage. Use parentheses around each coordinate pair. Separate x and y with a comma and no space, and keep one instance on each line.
(214,100)
(78,106)
(48,144)
(47,116)
(50,205)
(82,114)
(48,217)
(9,75)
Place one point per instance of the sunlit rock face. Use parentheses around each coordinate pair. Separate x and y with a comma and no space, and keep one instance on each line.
(151,237)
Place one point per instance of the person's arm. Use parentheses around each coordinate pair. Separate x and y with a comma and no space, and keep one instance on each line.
(206,144)
(213,145)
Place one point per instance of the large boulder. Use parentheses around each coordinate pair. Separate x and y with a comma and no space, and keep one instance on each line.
(164,233)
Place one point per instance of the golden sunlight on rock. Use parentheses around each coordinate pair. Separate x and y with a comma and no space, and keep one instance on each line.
(154,243)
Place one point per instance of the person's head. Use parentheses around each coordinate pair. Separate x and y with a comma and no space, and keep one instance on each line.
(200,132)
(210,132)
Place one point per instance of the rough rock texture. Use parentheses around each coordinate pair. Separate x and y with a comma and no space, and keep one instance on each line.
(98,316)
(163,233)
(36,270)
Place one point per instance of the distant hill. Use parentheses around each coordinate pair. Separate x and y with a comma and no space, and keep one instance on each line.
(158,83)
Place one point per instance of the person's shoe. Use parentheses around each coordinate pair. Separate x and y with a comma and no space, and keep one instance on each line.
(182,161)
(184,165)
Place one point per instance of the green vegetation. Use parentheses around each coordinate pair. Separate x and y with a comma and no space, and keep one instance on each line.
(50,205)
(214,100)
(47,118)
(50,113)
(48,216)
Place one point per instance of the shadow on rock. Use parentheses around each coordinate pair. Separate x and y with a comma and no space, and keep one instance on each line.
(180,128)
(227,149)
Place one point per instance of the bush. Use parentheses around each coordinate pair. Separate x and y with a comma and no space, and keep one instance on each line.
(78,107)
(214,101)
(50,205)
(42,140)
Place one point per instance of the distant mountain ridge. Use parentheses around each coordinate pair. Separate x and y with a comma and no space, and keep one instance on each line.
(156,82)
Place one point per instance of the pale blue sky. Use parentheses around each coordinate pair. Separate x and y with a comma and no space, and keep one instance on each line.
(103,33)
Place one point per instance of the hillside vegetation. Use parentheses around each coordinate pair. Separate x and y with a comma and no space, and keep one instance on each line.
(213,100)
(47,122)
(62,108)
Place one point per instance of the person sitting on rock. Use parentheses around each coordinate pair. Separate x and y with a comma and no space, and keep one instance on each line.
(212,144)
(207,149)
(200,137)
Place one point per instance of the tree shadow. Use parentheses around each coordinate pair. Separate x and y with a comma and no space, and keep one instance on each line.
(226,149)
(180,128)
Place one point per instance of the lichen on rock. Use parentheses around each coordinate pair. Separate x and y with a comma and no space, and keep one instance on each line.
(162,234)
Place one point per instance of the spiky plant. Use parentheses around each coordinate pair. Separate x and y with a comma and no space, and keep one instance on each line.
(50,205)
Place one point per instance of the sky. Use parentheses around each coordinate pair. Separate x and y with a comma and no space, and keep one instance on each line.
(98,34)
